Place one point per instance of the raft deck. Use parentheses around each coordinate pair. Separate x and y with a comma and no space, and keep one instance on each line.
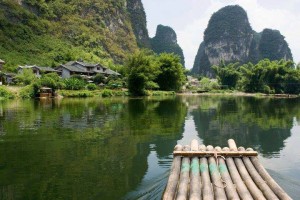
(208,173)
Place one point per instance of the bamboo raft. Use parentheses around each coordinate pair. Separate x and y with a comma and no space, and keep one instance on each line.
(208,173)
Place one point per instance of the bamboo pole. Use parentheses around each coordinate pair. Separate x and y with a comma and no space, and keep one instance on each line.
(215,176)
(236,178)
(230,189)
(207,192)
(269,180)
(182,193)
(255,192)
(195,185)
(212,153)
(170,190)
(261,184)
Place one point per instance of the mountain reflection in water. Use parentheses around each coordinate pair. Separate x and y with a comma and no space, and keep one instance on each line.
(122,148)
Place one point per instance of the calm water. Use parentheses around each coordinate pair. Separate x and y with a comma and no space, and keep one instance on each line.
(122,148)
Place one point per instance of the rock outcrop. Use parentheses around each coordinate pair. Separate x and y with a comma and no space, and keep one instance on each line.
(165,40)
(230,38)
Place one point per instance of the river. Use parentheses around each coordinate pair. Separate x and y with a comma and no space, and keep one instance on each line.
(121,148)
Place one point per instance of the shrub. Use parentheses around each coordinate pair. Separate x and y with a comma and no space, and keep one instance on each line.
(99,78)
(107,93)
(82,93)
(91,86)
(5,94)
(74,84)
(28,92)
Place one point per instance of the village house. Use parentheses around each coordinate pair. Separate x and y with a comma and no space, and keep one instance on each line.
(7,78)
(38,71)
(84,69)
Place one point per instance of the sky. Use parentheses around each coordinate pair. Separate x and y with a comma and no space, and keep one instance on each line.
(189,19)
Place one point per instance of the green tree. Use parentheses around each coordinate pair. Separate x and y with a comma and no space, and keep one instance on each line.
(26,77)
(141,70)
(99,78)
(228,75)
(52,80)
(171,76)
(74,84)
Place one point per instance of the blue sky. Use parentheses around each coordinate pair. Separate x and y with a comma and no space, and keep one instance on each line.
(189,18)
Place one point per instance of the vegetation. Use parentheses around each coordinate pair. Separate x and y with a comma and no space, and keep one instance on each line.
(5,94)
(59,31)
(171,76)
(148,71)
(270,77)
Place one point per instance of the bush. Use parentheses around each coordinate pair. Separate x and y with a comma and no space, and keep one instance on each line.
(99,78)
(107,93)
(28,92)
(5,94)
(82,93)
(74,84)
(91,86)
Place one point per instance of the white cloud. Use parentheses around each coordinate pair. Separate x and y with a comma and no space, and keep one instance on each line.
(189,18)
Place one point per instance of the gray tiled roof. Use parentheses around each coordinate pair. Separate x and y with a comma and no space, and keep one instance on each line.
(111,72)
(82,68)
(74,68)
(45,69)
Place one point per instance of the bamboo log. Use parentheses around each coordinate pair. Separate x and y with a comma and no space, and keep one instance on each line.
(269,180)
(232,145)
(212,153)
(255,192)
(268,193)
(207,192)
(182,193)
(230,189)
(170,190)
(237,180)
(195,185)
(216,178)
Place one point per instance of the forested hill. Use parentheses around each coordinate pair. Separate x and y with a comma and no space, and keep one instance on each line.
(165,40)
(47,33)
(229,37)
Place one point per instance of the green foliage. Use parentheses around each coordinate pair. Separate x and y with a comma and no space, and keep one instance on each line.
(52,80)
(267,76)
(5,94)
(72,93)
(26,77)
(228,75)
(58,31)
(107,93)
(141,69)
(28,92)
(91,86)
(171,76)
(74,83)
(99,78)
(207,84)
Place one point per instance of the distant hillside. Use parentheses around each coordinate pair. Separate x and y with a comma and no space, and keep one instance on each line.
(47,32)
(165,40)
(139,22)
(230,38)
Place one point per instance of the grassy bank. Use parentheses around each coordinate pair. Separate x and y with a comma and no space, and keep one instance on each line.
(25,92)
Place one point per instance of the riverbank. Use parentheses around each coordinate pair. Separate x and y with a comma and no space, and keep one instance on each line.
(237,93)
(11,92)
